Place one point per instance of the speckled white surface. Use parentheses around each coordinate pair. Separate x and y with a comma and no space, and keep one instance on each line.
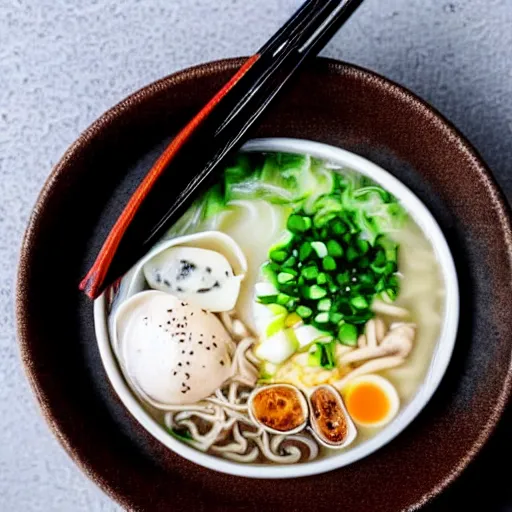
(63,62)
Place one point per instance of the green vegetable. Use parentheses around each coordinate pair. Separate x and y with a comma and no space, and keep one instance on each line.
(304,311)
(305,251)
(351,254)
(334,249)
(328,263)
(290,262)
(310,272)
(283,299)
(181,435)
(336,255)
(322,278)
(269,274)
(315,292)
(322,354)
(320,249)
(335,317)
(322,318)
(359,302)
(286,276)
(298,223)
(267,299)
(278,255)
(324,304)
(328,360)
(315,355)
(347,334)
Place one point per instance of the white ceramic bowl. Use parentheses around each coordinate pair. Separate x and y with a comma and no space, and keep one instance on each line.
(440,358)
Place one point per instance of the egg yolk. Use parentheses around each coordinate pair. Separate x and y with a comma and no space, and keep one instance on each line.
(367,403)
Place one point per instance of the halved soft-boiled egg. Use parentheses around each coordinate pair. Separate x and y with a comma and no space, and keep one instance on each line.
(371,400)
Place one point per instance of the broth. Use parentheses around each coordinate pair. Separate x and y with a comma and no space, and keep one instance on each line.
(400,332)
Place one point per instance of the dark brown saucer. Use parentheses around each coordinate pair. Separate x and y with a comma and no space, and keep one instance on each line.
(333,103)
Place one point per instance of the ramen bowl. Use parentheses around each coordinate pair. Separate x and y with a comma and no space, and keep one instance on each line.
(80,390)
(431,373)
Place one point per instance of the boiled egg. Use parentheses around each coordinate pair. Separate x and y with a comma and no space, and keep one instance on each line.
(171,352)
(371,400)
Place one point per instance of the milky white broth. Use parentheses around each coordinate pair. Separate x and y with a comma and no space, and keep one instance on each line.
(256,224)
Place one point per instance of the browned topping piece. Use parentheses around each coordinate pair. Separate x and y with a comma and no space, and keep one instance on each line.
(328,416)
(279,408)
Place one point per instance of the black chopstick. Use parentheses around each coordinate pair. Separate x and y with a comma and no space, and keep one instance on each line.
(166,193)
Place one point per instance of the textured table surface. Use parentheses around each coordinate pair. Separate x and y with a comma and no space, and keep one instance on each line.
(63,62)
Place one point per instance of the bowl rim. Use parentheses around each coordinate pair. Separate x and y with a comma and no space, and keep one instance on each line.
(438,364)
(59,172)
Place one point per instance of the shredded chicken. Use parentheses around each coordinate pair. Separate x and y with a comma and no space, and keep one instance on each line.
(377,351)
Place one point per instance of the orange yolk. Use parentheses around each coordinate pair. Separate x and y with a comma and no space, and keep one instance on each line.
(367,403)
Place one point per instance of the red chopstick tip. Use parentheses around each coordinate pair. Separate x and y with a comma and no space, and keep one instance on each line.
(89,284)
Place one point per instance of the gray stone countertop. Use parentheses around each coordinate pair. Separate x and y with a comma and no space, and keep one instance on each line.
(63,62)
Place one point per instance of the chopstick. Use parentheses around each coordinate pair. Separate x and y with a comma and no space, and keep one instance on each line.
(210,137)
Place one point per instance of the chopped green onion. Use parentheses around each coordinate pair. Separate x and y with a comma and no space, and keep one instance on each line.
(290,262)
(304,311)
(334,249)
(322,278)
(351,254)
(335,317)
(347,334)
(283,299)
(315,292)
(359,302)
(328,360)
(278,255)
(324,304)
(338,228)
(363,246)
(322,318)
(329,264)
(267,299)
(269,274)
(305,251)
(315,355)
(320,249)
(285,277)
(310,272)
(343,278)
(298,224)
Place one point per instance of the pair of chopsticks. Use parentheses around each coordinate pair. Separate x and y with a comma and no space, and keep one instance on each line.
(200,150)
